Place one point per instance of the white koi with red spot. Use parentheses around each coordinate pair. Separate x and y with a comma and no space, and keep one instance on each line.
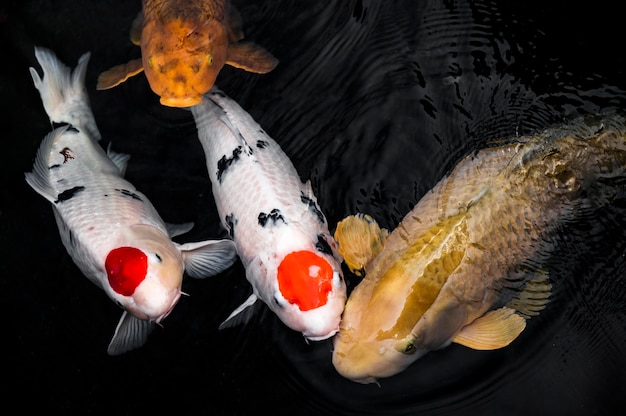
(281,234)
(109,228)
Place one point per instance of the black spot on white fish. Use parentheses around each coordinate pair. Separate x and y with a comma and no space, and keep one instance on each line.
(231,221)
(54,166)
(274,216)
(126,192)
(313,207)
(224,163)
(262,144)
(68,194)
(323,246)
(216,104)
(67,154)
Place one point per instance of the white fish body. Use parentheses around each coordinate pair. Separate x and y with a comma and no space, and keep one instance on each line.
(281,234)
(110,229)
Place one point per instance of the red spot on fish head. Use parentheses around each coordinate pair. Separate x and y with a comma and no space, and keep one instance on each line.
(304,279)
(126,268)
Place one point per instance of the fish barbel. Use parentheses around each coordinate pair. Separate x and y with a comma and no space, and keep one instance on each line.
(464,265)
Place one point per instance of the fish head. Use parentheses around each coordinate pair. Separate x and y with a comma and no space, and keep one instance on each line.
(145,275)
(182,58)
(306,290)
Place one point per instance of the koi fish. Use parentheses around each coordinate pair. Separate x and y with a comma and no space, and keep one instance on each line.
(464,265)
(184,45)
(281,234)
(110,229)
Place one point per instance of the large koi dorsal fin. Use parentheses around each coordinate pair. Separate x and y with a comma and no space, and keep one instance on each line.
(495,329)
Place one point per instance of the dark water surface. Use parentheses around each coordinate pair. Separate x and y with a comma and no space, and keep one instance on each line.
(374,101)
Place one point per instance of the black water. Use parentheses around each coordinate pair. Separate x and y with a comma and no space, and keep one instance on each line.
(374,101)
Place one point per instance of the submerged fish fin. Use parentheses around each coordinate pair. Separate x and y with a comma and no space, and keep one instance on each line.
(208,258)
(39,178)
(131,333)
(242,314)
(360,239)
(119,159)
(493,330)
(535,296)
(250,57)
(118,74)
(174,230)
(63,92)
(136,28)
(235,24)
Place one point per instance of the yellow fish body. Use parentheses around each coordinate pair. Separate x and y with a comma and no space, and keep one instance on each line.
(184,45)
(463,265)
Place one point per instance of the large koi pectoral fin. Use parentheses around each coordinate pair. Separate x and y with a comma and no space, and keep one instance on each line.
(496,329)
(118,74)
(250,57)
(360,239)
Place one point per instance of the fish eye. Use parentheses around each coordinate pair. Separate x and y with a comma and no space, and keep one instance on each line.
(155,257)
(408,348)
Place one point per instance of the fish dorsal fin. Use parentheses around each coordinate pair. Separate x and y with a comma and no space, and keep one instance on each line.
(174,230)
(136,28)
(242,314)
(535,296)
(119,159)
(208,258)
(493,330)
(360,239)
(250,57)
(118,74)
(131,333)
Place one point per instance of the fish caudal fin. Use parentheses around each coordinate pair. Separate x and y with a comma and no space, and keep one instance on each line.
(250,57)
(63,91)
(208,258)
(496,329)
(118,74)
(131,333)
(360,239)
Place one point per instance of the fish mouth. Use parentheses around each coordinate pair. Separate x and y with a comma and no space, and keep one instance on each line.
(169,310)
(180,102)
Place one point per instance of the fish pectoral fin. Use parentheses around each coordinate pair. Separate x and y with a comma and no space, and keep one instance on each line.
(360,239)
(535,296)
(136,28)
(131,333)
(118,74)
(174,230)
(241,315)
(250,57)
(119,159)
(235,25)
(208,258)
(495,329)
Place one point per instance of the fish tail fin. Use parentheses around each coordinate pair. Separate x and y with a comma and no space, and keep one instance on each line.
(63,91)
